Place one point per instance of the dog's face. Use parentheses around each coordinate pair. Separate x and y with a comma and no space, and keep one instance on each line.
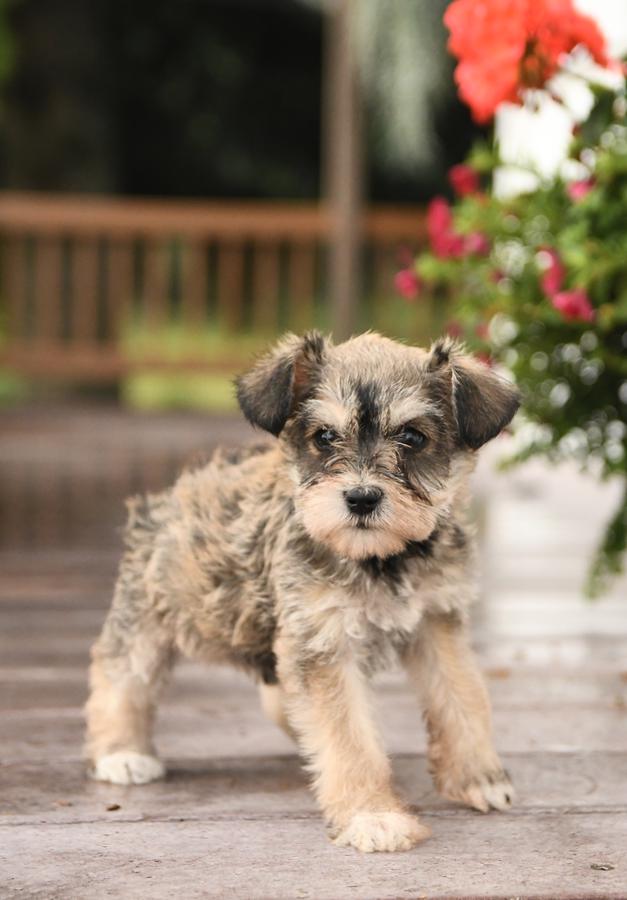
(377,433)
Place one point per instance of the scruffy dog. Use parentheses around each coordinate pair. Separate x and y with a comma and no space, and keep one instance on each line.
(313,562)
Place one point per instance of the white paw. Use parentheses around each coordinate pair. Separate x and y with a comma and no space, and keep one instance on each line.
(493,791)
(128,767)
(383,831)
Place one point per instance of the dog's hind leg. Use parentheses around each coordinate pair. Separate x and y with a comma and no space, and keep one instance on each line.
(464,763)
(130,662)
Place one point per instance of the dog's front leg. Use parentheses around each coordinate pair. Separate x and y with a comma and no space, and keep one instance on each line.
(328,709)
(463,760)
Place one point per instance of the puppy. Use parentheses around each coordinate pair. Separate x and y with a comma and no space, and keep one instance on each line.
(336,551)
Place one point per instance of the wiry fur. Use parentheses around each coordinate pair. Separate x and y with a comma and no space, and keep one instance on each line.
(256,560)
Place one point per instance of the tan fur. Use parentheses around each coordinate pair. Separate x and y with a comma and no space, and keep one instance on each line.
(258,559)
(273,703)
(121,705)
(445,674)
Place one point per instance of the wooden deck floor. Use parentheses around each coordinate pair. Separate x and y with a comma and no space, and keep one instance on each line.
(234,818)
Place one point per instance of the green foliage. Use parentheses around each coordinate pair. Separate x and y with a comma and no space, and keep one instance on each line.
(572,370)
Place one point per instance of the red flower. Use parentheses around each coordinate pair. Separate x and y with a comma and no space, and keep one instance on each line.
(407,284)
(464,180)
(577,190)
(504,46)
(553,277)
(574,305)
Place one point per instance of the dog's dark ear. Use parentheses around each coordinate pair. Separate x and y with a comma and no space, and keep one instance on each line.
(483,402)
(269,392)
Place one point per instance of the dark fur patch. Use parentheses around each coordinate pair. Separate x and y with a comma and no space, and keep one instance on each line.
(265,394)
(459,538)
(484,404)
(440,353)
(392,568)
(266,666)
(368,413)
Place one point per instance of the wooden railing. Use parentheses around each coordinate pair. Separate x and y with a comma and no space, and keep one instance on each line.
(79,275)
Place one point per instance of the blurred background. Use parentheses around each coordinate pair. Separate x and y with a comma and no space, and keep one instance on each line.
(289,162)
(181,183)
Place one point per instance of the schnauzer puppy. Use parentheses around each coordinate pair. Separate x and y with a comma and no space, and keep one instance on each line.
(313,562)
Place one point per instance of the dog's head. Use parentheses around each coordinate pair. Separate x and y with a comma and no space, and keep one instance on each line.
(377,432)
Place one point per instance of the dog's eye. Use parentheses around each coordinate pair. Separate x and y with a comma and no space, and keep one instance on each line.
(409,436)
(324,437)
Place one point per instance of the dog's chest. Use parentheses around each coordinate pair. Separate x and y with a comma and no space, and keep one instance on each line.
(373,621)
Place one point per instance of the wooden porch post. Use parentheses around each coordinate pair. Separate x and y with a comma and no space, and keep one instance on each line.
(342,160)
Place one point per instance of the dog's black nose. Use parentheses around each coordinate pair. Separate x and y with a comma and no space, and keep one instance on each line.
(363,500)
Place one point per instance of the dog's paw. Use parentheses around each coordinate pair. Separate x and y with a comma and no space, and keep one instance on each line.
(128,767)
(382,831)
(490,791)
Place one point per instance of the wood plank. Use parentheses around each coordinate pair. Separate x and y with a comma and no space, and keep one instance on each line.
(278,786)
(124,217)
(85,286)
(194,284)
(14,269)
(156,286)
(222,727)
(266,285)
(471,856)
(120,288)
(230,284)
(48,284)
(38,628)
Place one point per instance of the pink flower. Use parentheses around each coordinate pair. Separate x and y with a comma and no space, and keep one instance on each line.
(553,277)
(445,242)
(477,244)
(407,284)
(577,190)
(574,305)
(464,180)
(439,218)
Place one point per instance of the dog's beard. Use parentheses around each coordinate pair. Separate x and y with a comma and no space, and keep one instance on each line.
(400,519)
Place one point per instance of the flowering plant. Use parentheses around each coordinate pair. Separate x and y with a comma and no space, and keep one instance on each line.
(539,279)
(506,46)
